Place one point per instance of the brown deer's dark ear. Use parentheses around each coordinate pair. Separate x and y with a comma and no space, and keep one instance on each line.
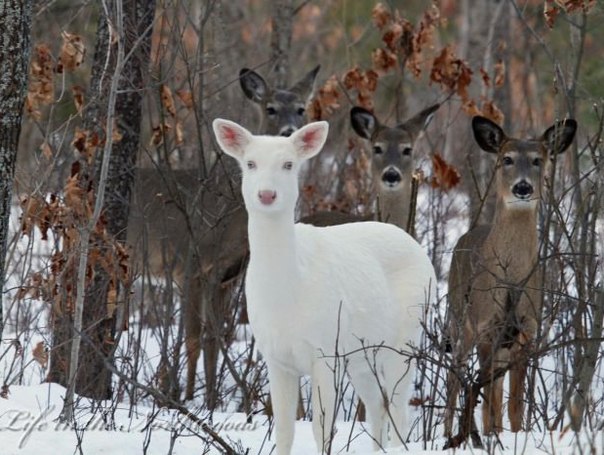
(558,137)
(363,122)
(253,85)
(305,86)
(487,134)
(419,121)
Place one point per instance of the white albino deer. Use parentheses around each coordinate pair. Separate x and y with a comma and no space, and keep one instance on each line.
(168,204)
(494,288)
(313,292)
(392,161)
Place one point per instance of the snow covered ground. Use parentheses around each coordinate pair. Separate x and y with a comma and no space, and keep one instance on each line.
(28,425)
(29,410)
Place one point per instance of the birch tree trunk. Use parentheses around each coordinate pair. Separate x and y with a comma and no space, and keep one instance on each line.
(15,26)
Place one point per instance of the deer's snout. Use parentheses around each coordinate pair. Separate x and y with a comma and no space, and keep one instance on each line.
(523,190)
(267,197)
(391,177)
(287,131)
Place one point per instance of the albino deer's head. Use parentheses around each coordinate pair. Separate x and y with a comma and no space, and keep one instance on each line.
(522,164)
(392,162)
(270,164)
(282,111)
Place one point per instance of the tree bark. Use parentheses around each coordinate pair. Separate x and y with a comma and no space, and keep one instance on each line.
(484,37)
(94,378)
(15,47)
(281,39)
(100,311)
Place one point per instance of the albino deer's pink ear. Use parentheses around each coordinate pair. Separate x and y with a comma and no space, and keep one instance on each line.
(232,138)
(309,139)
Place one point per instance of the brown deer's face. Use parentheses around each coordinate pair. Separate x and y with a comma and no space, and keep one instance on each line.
(283,111)
(392,159)
(522,164)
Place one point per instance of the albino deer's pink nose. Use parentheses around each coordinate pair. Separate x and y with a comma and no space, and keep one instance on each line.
(267,197)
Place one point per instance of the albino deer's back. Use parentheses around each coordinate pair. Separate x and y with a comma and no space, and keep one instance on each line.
(358,281)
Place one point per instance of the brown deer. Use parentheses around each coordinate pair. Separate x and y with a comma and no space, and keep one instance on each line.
(282,111)
(170,206)
(392,161)
(494,288)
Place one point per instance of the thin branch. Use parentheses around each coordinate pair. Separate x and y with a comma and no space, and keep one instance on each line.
(85,234)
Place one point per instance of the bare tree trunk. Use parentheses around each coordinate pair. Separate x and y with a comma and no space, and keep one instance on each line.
(100,312)
(281,39)
(587,320)
(15,26)
(95,322)
(485,34)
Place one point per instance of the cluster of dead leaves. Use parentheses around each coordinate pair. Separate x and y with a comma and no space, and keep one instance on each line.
(41,81)
(451,73)
(72,53)
(405,43)
(455,76)
(87,143)
(444,175)
(326,100)
(40,354)
(161,130)
(364,83)
(42,70)
(552,8)
(65,217)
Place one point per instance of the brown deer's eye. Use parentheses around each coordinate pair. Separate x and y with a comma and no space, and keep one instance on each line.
(271,110)
(377,149)
(407,151)
(507,161)
(301,111)
(537,162)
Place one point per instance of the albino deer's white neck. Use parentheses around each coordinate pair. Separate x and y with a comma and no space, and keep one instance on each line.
(272,249)
(393,206)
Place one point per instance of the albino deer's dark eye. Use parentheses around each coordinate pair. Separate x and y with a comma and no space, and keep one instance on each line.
(377,149)
(407,151)
(288,165)
(250,165)
(507,161)
(271,110)
(537,162)
(301,111)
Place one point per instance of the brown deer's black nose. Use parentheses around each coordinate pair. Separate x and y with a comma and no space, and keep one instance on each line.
(287,131)
(523,190)
(391,177)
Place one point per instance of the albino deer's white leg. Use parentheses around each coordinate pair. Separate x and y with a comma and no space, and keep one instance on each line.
(367,385)
(283,386)
(399,375)
(324,401)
